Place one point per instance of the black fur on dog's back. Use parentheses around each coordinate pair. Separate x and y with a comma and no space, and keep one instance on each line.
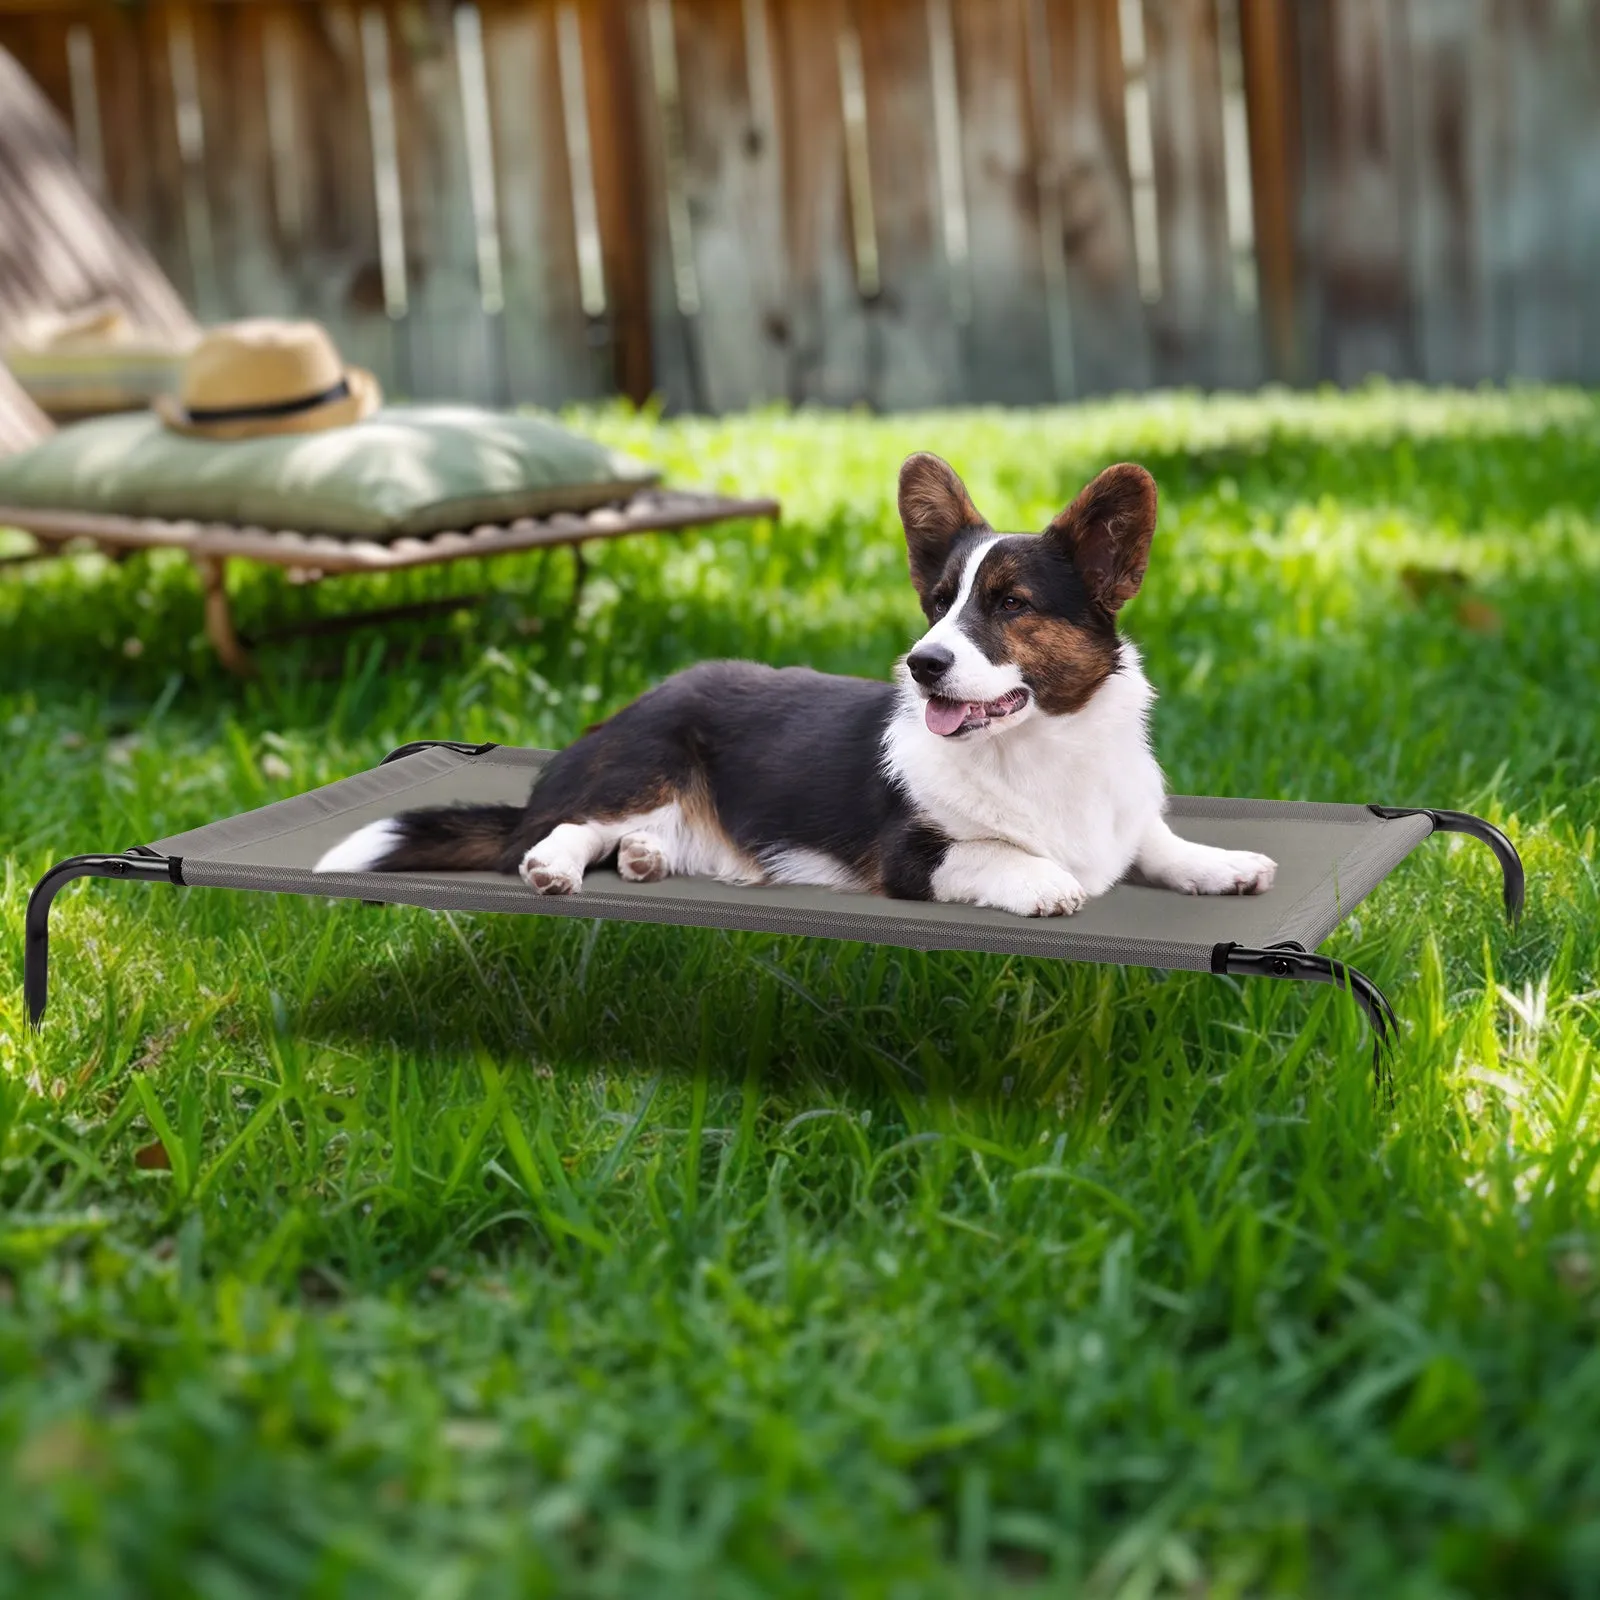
(775,758)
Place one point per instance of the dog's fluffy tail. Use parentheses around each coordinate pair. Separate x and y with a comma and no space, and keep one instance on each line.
(443,839)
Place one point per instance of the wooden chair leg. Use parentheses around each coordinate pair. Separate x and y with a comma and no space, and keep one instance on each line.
(580,574)
(219,620)
(43,550)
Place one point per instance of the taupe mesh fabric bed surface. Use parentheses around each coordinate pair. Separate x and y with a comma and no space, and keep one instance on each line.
(1329,857)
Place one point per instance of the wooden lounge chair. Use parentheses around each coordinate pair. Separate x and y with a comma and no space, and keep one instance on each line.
(307,557)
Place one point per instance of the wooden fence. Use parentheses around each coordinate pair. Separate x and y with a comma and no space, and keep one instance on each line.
(903,202)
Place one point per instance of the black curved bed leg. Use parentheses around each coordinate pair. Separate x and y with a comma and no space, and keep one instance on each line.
(141,864)
(1476,828)
(1294,961)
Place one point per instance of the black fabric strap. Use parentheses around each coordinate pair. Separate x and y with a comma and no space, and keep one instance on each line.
(278,408)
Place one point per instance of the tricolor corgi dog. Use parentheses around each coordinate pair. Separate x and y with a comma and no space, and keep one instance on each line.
(1007,764)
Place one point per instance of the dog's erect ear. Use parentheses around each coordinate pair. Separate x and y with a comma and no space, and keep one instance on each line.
(1107,532)
(934,508)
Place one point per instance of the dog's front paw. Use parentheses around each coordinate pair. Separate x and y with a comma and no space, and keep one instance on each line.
(1038,889)
(1227,872)
(549,877)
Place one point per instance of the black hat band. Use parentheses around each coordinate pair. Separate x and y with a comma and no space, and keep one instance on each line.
(277,408)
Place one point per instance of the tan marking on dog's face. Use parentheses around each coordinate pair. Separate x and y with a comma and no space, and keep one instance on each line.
(1062,663)
(1027,608)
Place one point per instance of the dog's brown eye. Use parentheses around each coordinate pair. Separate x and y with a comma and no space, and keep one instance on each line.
(940,606)
(1013,602)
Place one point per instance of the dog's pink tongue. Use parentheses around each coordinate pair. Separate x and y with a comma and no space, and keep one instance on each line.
(945,716)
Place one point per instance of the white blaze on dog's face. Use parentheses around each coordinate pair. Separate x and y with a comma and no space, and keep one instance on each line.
(1020,624)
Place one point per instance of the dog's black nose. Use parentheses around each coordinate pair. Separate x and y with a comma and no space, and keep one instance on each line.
(929,663)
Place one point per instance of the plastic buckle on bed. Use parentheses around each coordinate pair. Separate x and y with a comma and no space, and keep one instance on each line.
(174,864)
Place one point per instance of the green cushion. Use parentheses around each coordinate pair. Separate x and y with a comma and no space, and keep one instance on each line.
(406,470)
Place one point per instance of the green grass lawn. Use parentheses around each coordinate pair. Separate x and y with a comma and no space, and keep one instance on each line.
(503,1256)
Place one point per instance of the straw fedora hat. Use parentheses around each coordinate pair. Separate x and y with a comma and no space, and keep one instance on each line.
(94,326)
(247,379)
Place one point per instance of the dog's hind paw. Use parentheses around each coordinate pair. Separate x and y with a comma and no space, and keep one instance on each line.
(641,859)
(546,877)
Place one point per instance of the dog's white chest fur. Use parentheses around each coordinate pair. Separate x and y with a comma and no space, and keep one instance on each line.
(1080,790)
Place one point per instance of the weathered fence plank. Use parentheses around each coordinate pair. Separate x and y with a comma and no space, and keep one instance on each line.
(1550,215)
(1200,332)
(733,193)
(1009,350)
(39,44)
(1266,38)
(547,352)
(831,354)
(1359,166)
(661,227)
(618,146)
(444,326)
(137,126)
(1086,160)
(1457,134)
(921,314)
(251,267)
(324,204)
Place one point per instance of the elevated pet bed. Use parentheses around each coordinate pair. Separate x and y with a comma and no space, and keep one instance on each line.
(1329,858)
